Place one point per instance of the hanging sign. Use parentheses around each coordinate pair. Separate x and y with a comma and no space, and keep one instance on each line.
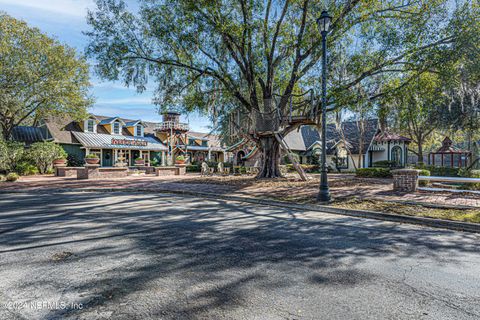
(129,142)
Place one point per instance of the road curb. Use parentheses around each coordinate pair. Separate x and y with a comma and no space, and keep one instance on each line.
(422,221)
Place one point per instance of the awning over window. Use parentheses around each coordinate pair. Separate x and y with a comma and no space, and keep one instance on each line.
(110,141)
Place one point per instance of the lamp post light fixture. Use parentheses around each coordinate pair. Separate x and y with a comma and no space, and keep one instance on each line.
(324,25)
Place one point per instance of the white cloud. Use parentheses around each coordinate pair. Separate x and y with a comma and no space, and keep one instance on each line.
(76,8)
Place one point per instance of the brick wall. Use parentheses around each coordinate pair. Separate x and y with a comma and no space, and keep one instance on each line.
(405,180)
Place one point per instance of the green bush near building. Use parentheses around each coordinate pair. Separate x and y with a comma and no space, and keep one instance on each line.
(384,164)
(42,155)
(373,173)
(193,168)
(470,174)
(439,171)
(423,172)
(25,168)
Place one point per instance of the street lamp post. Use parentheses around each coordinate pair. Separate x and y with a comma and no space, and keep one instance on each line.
(323,25)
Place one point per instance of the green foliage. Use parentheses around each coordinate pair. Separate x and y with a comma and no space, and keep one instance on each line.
(423,172)
(12,177)
(193,168)
(10,155)
(440,171)
(232,59)
(286,158)
(2,178)
(74,161)
(373,173)
(25,168)
(180,158)
(384,164)
(154,162)
(40,76)
(91,156)
(470,174)
(138,159)
(42,154)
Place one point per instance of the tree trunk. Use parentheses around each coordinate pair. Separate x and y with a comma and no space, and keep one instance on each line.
(270,161)
(420,153)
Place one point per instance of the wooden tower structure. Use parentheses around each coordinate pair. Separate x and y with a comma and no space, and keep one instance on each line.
(173,134)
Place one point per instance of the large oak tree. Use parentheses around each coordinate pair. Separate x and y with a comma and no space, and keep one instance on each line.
(39,76)
(248,58)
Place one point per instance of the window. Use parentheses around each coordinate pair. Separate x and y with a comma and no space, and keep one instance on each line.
(138,131)
(342,158)
(116,127)
(90,125)
(397,156)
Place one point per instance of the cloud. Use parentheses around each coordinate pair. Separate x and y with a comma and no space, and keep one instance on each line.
(74,8)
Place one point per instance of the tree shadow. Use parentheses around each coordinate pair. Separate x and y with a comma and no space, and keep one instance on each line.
(187,256)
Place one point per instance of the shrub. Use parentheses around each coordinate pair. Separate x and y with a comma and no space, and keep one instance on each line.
(470,174)
(2,178)
(193,168)
(180,158)
(12,177)
(440,171)
(373,173)
(73,161)
(11,153)
(286,158)
(42,155)
(423,172)
(91,156)
(384,164)
(26,169)
(138,159)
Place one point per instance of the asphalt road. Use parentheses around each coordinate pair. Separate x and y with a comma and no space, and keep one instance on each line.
(145,256)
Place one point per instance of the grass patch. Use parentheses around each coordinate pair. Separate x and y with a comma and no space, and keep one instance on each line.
(465,215)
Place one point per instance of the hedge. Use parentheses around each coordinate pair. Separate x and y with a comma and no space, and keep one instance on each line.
(373,173)
(423,172)
(384,164)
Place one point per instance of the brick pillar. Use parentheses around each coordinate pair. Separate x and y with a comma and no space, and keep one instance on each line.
(90,172)
(405,180)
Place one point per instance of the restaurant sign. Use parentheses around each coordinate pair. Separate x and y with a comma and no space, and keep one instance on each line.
(129,142)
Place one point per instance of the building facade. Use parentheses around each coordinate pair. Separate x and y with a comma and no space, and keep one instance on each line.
(118,141)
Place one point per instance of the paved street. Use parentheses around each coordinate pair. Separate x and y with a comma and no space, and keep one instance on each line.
(153,256)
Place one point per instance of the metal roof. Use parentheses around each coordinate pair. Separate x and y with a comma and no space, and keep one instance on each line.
(27,134)
(104,141)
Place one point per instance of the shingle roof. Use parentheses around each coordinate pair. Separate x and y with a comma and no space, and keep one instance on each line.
(295,141)
(302,140)
(28,134)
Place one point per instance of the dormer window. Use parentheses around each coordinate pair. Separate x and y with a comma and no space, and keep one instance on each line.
(139,130)
(116,127)
(90,125)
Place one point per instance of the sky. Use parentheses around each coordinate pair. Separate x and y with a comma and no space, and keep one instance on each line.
(65,20)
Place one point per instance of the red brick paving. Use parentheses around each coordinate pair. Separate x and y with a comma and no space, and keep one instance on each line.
(341,186)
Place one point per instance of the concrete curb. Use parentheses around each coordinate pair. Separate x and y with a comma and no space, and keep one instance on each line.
(422,221)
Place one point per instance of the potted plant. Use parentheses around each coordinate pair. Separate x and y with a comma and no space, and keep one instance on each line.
(60,162)
(60,157)
(180,160)
(92,159)
(139,161)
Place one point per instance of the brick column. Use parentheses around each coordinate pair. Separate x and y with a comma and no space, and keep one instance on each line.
(405,180)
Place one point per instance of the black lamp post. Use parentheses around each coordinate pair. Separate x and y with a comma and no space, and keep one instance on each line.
(324,25)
